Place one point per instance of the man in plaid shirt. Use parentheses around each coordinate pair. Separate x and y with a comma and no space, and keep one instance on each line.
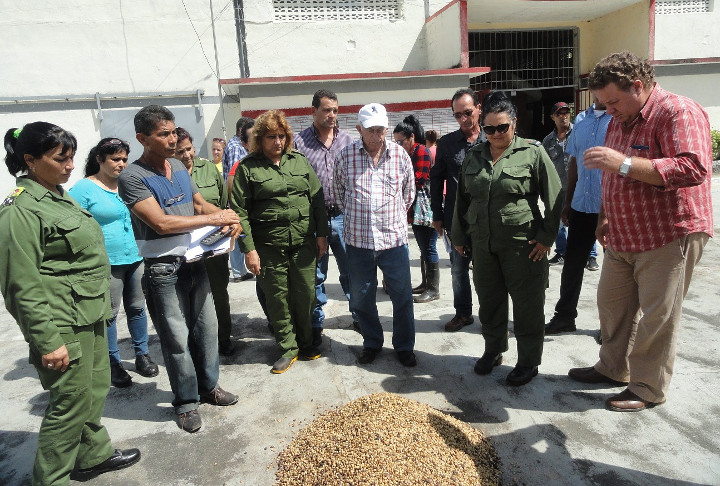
(374,187)
(655,219)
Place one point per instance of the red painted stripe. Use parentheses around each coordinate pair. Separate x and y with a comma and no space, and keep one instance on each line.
(349,76)
(694,60)
(651,33)
(441,10)
(464,57)
(390,107)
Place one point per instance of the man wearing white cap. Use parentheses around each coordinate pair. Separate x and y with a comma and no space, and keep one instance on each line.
(374,186)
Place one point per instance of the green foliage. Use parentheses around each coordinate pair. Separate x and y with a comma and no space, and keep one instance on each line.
(715,144)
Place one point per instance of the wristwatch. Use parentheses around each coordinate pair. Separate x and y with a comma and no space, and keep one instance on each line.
(625,167)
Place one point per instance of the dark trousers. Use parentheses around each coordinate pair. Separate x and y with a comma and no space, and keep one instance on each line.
(218,276)
(581,238)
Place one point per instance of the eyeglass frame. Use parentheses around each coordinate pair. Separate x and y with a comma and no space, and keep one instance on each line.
(491,129)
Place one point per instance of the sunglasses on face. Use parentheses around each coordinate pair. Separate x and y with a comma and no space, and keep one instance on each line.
(460,114)
(491,129)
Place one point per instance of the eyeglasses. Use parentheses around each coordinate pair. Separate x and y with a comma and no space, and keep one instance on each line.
(466,113)
(176,199)
(221,140)
(491,129)
(113,141)
(400,141)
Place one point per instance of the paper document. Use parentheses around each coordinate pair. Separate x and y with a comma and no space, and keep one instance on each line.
(197,250)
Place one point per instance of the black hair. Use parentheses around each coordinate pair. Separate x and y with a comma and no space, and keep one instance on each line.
(182,134)
(244,128)
(105,147)
(148,117)
(417,128)
(497,102)
(241,121)
(35,139)
(320,94)
(462,92)
(405,129)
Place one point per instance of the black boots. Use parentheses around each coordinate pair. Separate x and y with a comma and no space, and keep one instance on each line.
(431,277)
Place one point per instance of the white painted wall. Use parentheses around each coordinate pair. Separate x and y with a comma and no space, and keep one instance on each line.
(687,36)
(699,87)
(444,39)
(326,47)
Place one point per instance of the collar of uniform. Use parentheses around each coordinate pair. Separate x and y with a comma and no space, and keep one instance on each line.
(36,190)
(199,162)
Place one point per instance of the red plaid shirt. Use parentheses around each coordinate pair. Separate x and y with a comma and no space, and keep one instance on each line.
(375,199)
(674,133)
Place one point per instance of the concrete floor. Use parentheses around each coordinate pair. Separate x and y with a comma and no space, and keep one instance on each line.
(551,431)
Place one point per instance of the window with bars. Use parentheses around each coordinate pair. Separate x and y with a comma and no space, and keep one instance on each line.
(336,10)
(524,59)
(669,7)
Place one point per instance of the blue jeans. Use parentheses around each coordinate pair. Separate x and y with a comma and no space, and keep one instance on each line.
(126,287)
(395,266)
(561,240)
(237,262)
(337,245)
(181,307)
(462,293)
(426,238)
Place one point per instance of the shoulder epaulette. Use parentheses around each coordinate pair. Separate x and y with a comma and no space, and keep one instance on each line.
(10,199)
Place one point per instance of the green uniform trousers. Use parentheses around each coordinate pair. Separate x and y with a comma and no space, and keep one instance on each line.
(287,277)
(509,271)
(219,276)
(71,433)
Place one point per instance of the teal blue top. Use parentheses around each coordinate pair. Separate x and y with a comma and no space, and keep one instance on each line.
(114,218)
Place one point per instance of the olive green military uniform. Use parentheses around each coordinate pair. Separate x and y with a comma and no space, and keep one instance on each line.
(212,188)
(56,280)
(497,206)
(282,210)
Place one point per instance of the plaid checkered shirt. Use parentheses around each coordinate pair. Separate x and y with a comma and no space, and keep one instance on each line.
(375,199)
(674,133)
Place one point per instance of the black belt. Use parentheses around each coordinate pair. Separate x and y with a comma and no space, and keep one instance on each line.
(165,259)
(333,211)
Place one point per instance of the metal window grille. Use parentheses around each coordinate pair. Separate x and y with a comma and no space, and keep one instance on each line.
(524,59)
(681,7)
(336,10)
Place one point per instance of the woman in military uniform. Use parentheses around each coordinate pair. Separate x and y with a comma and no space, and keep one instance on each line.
(55,283)
(212,188)
(280,203)
(500,184)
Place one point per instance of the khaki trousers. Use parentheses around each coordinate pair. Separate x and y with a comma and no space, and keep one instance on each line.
(640,298)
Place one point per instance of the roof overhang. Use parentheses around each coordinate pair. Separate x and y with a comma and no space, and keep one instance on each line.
(531,11)
(354,88)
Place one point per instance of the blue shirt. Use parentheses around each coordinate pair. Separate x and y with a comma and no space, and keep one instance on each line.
(589,131)
(114,218)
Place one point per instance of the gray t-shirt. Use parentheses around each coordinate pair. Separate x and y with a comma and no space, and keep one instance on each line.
(175,197)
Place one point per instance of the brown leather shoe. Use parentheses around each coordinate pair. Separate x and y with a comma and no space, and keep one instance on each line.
(591,375)
(627,401)
(458,322)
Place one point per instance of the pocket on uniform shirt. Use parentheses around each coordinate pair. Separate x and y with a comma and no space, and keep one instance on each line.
(73,233)
(91,299)
(515,180)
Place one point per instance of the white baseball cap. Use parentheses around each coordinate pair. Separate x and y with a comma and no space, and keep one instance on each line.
(373,115)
